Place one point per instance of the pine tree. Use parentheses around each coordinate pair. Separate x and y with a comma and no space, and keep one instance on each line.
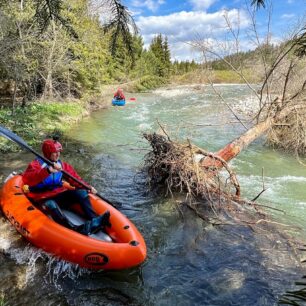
(167,57)
(160,49)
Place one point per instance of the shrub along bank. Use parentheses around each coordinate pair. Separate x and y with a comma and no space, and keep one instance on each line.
(39,120)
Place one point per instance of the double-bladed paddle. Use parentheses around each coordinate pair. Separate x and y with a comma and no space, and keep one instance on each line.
(11,136)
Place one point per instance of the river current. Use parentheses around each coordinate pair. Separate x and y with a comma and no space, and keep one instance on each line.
(190,262)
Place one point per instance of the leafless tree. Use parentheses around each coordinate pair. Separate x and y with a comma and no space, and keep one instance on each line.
(283,83)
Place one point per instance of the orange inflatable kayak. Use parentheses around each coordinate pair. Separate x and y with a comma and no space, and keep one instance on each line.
(121,247)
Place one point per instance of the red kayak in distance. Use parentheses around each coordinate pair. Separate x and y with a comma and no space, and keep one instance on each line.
(132,99)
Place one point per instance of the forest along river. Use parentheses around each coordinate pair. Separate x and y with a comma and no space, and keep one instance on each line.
(189,261)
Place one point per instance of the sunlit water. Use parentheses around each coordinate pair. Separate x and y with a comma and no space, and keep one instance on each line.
(189,262)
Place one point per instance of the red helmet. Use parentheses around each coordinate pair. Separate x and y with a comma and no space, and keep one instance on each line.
(51,146)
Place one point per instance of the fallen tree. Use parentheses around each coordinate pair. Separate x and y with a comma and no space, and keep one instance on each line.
(201,174)
(212,194)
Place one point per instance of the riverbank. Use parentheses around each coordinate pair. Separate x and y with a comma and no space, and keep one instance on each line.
(41,119)
(205,76)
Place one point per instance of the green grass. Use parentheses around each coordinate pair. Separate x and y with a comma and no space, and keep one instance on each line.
(148,82)
(229,76)
(38,120)
(216,76)
(2,301)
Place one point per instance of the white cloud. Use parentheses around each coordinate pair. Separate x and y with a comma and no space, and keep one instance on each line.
(216,48)
(184,27)
(152,5)
(183,51)
(287,16)
(201,4)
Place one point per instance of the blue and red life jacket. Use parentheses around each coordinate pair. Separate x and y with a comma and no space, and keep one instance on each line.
(53,181)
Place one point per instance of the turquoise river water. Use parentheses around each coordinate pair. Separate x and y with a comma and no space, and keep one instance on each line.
(190,262)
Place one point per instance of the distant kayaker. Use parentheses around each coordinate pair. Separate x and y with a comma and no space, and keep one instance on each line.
(119,94)
(47,189)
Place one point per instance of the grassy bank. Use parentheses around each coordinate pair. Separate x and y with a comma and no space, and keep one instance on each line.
(38,120)
(216,76)
(41,119)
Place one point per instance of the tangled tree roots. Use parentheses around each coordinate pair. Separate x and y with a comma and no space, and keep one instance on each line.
(177,166)
(290,134)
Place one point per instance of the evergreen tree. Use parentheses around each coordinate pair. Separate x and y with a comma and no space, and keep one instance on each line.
(167,57)
(41,57)
(160,49)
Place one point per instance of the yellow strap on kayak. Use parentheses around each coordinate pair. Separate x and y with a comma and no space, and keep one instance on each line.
(25,188)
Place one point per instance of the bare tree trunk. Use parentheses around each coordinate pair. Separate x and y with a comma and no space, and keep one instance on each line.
(24,83)
(68,85)
(232,149)
(14,95)
(48,90)
(19,27)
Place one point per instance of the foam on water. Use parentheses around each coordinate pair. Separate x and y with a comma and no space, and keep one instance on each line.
(144,126)
(301,204)
(235,163)
(173,92)
(4,243)
(275,187)
(60,269)
(14,246)
(248,105)
(18,249)
(228,85)
(8,236)
(140,115)
(276,180)
(291,178)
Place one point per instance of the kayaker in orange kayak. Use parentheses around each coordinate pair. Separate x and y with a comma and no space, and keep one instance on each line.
(48,191)
(119,94)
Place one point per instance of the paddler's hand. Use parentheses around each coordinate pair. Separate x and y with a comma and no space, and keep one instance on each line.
(55,168)
(68,186)
(93,190)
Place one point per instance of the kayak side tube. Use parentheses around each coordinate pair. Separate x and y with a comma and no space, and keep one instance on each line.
(116,102)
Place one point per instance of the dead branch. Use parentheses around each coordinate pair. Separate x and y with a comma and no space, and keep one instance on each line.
(263,186)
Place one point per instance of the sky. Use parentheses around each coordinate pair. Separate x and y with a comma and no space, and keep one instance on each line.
(190,22)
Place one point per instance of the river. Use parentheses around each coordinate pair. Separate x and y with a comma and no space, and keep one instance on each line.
(190,262)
